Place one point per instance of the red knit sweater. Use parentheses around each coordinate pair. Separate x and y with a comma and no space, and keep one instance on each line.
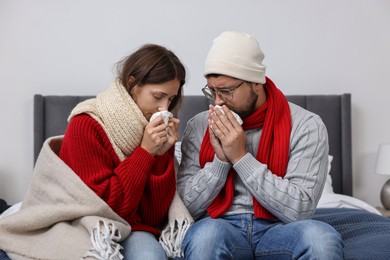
(140,189)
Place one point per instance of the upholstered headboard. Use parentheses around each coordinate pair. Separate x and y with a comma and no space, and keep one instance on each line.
(51,113)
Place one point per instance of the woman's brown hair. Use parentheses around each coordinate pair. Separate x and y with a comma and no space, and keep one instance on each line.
(152,64)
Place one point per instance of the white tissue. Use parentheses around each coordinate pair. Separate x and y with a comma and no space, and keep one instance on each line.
(164,114)
(238,118)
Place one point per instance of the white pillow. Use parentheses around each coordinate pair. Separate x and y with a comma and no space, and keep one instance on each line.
(330,199)
(328,188)
(11,210)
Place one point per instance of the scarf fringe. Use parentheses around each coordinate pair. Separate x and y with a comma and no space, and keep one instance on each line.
(104,239)
(172,236)
(179,221)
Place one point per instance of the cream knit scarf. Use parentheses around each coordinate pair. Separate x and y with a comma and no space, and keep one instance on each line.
(124,125)
(119,116)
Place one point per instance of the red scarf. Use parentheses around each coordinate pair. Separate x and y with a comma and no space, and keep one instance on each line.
(275,119)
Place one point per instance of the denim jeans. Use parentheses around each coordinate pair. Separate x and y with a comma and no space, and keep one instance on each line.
(3,255)
(242,236)
(143,246)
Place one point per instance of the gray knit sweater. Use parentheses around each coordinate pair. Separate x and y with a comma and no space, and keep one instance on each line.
(293,197)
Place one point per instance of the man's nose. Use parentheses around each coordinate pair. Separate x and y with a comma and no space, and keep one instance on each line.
(218,100)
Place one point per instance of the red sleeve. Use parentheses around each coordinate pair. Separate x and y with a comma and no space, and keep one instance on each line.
(88,151)
(159,190)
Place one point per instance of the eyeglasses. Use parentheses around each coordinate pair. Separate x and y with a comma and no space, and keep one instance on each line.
(223,93)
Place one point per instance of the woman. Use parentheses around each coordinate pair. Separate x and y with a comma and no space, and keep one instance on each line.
(125,159)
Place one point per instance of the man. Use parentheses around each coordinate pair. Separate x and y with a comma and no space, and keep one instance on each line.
(252,188)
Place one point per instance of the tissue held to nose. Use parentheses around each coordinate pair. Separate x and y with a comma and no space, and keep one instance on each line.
(164,114)
(238,118)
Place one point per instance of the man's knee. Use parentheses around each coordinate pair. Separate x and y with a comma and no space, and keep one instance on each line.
(322,238)
(313,229)
(205,231)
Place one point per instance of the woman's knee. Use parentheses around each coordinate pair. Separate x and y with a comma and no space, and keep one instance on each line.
(142,245)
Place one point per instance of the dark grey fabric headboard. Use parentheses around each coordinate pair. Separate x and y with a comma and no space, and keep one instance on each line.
(51,113)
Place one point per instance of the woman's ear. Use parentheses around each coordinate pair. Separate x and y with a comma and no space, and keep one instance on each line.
(131,86)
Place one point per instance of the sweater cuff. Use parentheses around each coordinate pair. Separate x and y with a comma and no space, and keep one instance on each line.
(219,167)
(141,158)
(145,154)
(247,165)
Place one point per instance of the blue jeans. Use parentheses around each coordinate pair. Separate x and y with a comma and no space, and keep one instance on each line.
(143,246)
(3,255)
(242,236)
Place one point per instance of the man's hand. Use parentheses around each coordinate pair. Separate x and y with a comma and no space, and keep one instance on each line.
(230,134)
(216,143)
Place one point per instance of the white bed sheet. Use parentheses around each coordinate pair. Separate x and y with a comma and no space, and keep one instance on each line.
(330,199)
(334,200)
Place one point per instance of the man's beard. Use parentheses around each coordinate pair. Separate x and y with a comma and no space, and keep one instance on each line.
(249,107)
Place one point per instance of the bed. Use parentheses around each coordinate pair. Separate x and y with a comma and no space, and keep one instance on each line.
(365,232)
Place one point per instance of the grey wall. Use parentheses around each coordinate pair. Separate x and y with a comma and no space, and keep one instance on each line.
(311,47)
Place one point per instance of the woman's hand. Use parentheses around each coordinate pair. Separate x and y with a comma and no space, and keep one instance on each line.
(159,137)
(155,135)
(172,135)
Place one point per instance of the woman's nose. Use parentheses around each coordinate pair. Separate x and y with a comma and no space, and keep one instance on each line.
(163,106)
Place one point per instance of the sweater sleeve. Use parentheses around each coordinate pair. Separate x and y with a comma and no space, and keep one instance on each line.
(122,185)
(198,186)
(159,190)
(295,196)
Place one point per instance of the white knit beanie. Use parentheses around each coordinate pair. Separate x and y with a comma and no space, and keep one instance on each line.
(237,55)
